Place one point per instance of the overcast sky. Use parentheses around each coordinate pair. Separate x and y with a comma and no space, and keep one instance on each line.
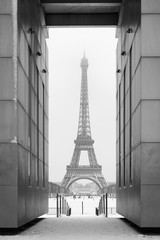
(66,49)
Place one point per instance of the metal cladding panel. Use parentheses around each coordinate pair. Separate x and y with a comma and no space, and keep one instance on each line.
(23,87)
(8,164)
(40,146)
(150,164)
(128,197)
(117,129)
(6,7)
(150,78)
(21,210)
(23,52)
(150,31)
(22,126)
(33,136)
(150,6)
(37,209)
(46,121)
(8,207)
(6,79)
(6,39)
(30,203)
(136,88)
(46,153)
(22,166)
(136,127)
(150,117)
(127,137)
(150,207)
(127,83)
(8,121)
(127,109)
(136,50)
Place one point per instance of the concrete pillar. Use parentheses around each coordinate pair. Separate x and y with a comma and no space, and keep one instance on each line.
(23,113)
(138,113)
(8,114)
(150,114)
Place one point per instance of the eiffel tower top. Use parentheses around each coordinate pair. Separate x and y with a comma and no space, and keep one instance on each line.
(84,61)
(84,130)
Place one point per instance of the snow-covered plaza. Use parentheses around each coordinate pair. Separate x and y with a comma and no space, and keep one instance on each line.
(79,227)
(87,203)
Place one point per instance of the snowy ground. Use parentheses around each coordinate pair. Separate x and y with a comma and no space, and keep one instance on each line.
(85,204)
(79,227)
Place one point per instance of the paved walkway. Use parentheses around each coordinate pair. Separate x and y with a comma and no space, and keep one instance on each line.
(79,228)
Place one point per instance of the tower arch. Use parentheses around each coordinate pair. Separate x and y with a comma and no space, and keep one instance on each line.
(80,178)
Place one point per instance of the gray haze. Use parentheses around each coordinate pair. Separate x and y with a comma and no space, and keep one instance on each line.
(66,48)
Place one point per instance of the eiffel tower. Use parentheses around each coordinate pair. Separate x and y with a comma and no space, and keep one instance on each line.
(84,142)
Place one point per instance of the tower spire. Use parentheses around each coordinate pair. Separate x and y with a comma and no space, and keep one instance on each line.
(84,130)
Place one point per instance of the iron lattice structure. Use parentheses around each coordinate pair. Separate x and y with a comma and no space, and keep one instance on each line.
(84,142)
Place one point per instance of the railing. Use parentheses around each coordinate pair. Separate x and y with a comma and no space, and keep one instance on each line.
(60,206)
(112,211)
(103,207)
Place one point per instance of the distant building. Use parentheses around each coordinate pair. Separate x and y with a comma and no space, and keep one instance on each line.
(54,188)
(111,190)
(89,188)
